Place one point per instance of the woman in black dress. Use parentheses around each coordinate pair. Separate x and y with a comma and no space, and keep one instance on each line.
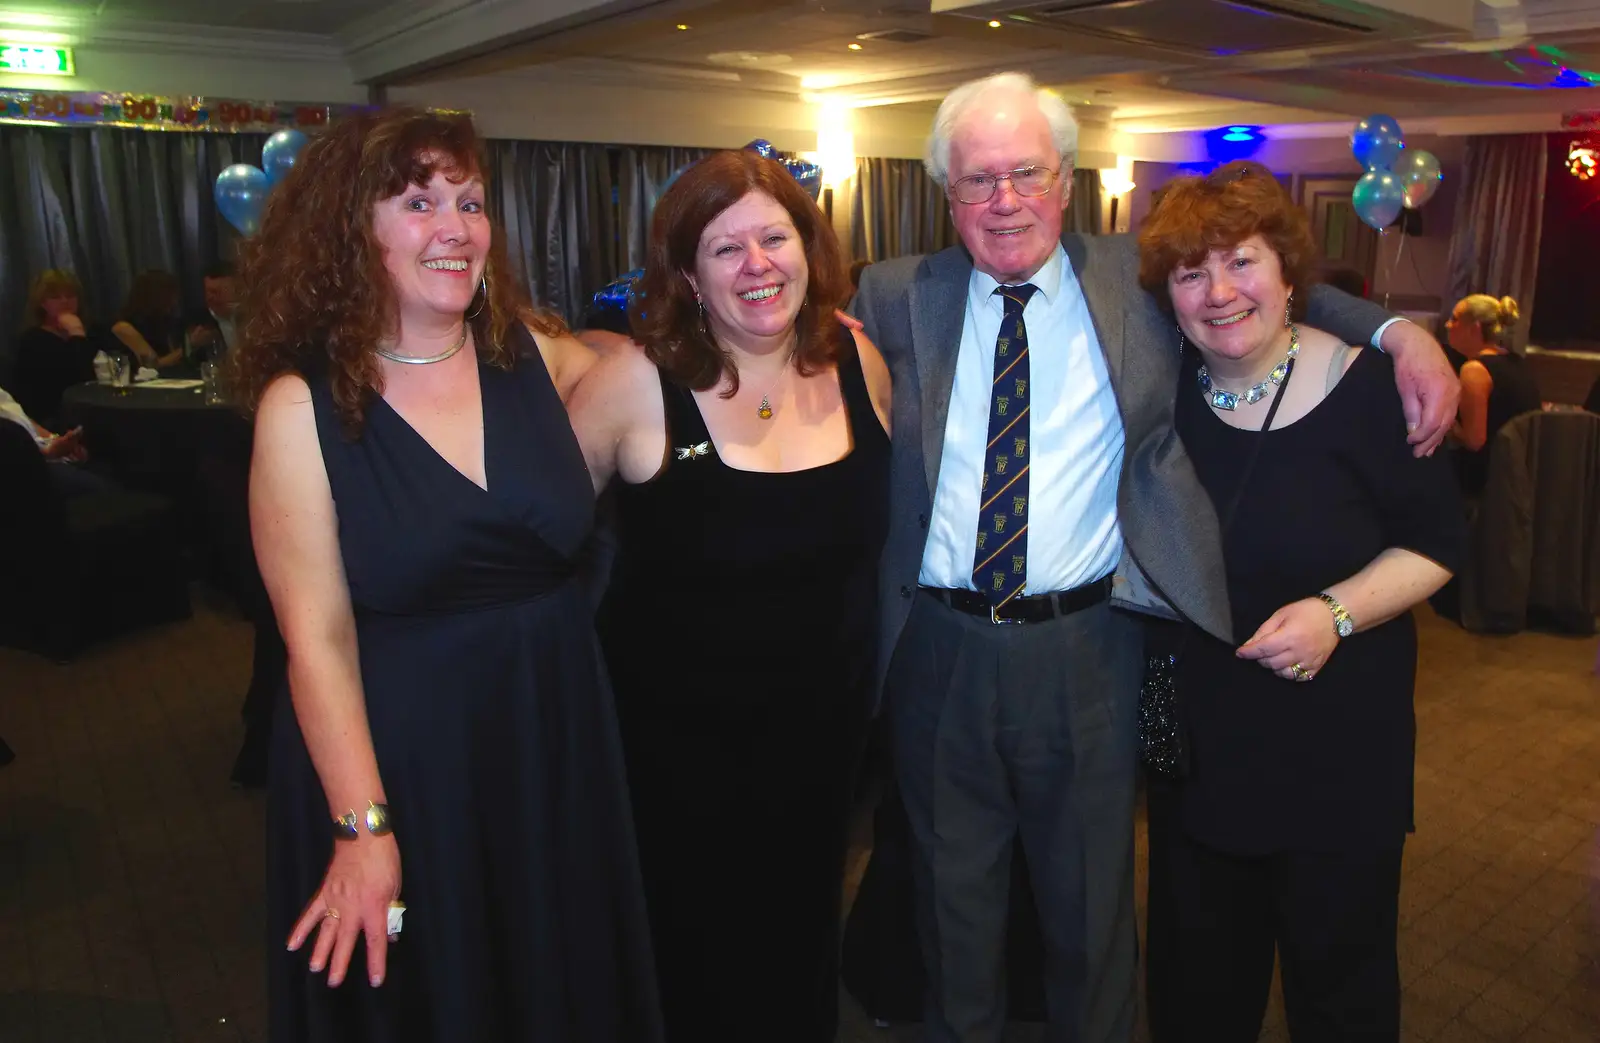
(422,519)
(1495,383)
(1286,834)
(750,433)
(55,350)
(150,327)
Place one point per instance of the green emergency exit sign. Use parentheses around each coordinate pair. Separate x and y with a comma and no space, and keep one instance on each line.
(35,60)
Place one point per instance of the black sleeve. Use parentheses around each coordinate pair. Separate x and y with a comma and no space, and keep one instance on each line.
(1418,500)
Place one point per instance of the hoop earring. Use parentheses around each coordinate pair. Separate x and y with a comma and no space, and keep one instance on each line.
(483,285)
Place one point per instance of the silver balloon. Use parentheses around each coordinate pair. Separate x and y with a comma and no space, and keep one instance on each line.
(1419,175)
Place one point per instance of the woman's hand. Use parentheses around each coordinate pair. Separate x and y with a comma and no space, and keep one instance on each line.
(363,878)
(70,324)
(1297,635)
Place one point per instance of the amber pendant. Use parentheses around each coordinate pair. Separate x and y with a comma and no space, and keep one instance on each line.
(764,411)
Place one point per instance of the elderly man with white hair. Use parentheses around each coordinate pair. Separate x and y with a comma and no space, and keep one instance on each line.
(1011,681)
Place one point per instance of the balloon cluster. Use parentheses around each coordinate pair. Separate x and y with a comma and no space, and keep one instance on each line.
(241,190)
(1396,177)
(611,301)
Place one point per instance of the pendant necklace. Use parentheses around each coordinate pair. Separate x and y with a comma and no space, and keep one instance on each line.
(414,360)
(1229,400)
(764,410)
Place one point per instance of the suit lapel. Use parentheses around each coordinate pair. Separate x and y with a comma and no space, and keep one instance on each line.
(938,311)
(1106,299)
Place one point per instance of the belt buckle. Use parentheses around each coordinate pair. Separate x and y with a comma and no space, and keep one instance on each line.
(999,621)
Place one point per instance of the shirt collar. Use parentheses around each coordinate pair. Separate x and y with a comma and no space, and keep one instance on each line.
(1047,279)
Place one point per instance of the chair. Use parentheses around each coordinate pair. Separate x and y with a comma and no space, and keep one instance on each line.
(1535,542)
(83,568)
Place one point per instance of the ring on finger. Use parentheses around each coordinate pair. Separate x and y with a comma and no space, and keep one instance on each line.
(1299,673)
(331,914)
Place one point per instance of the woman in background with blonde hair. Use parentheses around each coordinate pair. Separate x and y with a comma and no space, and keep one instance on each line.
(1495,384)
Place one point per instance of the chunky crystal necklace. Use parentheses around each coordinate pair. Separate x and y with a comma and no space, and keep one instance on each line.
(1230,400)
(414,360)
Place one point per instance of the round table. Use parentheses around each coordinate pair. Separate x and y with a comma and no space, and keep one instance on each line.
(173,442)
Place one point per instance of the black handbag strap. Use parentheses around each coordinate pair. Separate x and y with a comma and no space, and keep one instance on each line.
(1226,518)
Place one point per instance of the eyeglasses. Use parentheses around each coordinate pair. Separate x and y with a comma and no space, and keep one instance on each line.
(1025,181)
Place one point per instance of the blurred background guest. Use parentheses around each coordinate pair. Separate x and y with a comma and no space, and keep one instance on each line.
(446,697)
(211,333)
(65,450)
(1285,837)
(149,325)
(749,428)
(1495,383)
(55,350)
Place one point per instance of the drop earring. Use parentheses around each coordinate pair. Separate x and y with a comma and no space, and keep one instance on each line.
(1288,309)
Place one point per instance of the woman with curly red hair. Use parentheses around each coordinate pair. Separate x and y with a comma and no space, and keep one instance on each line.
(422,518)
(749,428)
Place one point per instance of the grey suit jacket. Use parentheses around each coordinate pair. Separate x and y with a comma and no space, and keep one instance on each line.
(914,309)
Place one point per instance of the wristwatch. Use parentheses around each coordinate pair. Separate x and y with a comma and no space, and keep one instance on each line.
(1343,625)
(376,819)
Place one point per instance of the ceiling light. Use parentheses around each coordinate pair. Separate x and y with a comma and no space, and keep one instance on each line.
(855,47)
(993,24)
(681,27)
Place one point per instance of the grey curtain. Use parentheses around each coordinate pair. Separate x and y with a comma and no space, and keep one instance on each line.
(896,209)
(577,215)
(108,204)
(1083,213)
(1494,247)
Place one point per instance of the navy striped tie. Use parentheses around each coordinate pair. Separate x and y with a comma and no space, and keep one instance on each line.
(1000,564)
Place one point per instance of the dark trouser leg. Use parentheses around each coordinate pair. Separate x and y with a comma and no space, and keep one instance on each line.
(1067,734)
(941,692)
(1338,915)
(1210,936)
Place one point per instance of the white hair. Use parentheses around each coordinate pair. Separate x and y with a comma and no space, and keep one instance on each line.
(959,102)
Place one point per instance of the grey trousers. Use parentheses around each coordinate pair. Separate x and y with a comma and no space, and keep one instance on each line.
(1022,731)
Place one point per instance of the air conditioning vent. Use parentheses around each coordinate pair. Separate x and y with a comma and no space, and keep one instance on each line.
(1215,27)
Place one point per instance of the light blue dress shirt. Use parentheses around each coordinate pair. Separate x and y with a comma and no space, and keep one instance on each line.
(1076,434)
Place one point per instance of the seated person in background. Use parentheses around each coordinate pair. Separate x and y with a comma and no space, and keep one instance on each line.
(211,332)
(54,351)
(149,325)
(1495,383)
(64,451)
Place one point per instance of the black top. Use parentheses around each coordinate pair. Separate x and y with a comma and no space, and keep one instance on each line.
(46,365)
(495,735)
(1284,765)
(740,630)
(1514,392)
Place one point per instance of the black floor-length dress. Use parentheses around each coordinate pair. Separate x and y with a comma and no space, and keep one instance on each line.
(740,630)
(496,738)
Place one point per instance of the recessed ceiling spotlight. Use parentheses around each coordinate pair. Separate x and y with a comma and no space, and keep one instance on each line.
(855,47)
(682,27)
(993,24)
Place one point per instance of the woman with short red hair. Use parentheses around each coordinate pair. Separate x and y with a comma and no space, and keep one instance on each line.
(1285,836)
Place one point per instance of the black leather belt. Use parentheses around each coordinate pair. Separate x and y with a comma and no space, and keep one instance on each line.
(1035,608)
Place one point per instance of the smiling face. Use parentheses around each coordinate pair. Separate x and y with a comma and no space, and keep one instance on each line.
(750,271)
(1232,304)
(1010,237)
(435,243)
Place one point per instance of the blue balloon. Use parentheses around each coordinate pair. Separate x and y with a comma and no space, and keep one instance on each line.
(615,296)
(241,195)
(762,147)
(1376,142)
(808,174)
(1378,198)
(279,153)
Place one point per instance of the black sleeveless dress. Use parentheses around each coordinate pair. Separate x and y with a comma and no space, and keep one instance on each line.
(740,629)
(496,738)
